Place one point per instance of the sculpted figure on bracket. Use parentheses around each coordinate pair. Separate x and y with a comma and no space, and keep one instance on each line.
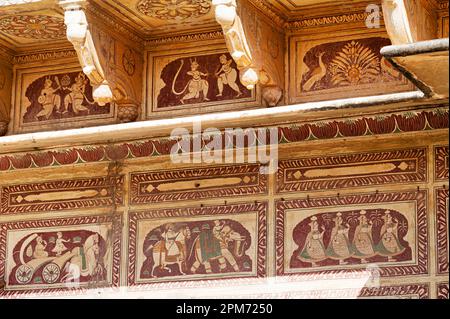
(251,67)
(112,80)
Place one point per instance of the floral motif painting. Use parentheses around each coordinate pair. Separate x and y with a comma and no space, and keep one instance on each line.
(349,66)
(34,26)
(174,9)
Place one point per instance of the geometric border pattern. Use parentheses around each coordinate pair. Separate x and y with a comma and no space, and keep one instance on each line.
(356,126)
(114,187)
(256,183)
(417,158)
(422,291)
(442,196)
(441,158)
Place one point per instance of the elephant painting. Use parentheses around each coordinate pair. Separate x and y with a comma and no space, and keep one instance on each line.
(190,248)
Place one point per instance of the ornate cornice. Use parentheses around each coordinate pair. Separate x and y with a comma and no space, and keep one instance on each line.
(270,12)
(443,5)
(114,23)
(327,21)
(213,35)
(44,56)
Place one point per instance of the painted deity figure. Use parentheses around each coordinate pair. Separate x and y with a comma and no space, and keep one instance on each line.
(314,249)
(48,99)
(196,84)
(339,247)
(77,95)
(362,241)
(59,244)
(217,229)
(389,245)
(39,249)
(227,75)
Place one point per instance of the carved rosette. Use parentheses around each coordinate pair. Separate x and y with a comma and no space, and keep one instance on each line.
(174,9)
(33,26)
(127,112)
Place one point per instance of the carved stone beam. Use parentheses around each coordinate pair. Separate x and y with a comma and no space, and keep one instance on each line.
(79,34)
(409,21)
(424,63)
(248,40)
(415,51)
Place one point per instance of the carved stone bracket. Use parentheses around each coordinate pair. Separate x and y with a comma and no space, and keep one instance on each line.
(409,21)
(79,34)
(227,17)
(248,40)
(416,52)
(113,76)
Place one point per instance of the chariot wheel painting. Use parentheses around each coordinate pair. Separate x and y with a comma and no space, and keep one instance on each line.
(51,273)
(24,274)
(129,62)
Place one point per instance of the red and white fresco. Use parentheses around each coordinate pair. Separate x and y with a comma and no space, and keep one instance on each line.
(441,163)
(442,240)
(61,195)
(442,290)
(58,254)
(352,170)
(340,233)
(197,183)
(435,119)
(211,242)
(409,291)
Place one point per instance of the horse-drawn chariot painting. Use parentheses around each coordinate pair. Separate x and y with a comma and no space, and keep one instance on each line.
(57,257)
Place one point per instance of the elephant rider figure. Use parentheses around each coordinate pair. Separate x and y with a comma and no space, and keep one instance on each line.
(213,245)
(225,238)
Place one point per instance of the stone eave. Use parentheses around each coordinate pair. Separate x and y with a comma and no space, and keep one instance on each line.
(247,118)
